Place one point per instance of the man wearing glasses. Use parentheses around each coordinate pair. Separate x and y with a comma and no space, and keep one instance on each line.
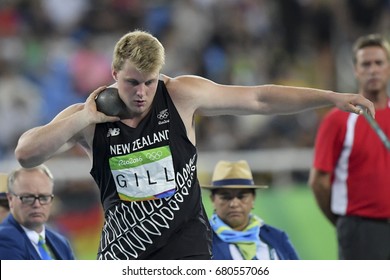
(23,233)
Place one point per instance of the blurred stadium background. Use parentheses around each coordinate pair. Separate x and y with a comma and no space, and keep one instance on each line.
(54,53)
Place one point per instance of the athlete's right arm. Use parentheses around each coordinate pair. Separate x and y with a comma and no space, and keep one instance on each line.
(68,128)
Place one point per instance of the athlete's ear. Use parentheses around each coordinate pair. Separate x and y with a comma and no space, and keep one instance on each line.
(114,74)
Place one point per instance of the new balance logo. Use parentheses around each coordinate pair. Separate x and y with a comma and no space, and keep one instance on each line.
(113,132)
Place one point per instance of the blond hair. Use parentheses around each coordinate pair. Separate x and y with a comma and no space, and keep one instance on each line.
(142,49)
(371,40)
(15,173)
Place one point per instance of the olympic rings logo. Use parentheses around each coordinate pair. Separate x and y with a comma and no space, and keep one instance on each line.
(154,155)
(163,114)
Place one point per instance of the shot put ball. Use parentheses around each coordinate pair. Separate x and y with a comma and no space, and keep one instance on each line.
(109,103)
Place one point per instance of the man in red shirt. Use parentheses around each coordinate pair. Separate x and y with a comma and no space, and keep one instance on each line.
(350,177)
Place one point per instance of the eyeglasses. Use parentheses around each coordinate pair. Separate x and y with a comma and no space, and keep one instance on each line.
(30,199)
(228,196)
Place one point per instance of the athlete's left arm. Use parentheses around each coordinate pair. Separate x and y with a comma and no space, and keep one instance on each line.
(210,98)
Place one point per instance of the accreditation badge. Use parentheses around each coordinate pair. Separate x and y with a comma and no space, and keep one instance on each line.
(144,175)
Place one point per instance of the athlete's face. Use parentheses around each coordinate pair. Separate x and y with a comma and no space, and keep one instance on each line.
(233,206)
(372,70)
(136,89)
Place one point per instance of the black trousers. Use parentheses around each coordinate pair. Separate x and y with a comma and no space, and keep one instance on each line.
(363,238)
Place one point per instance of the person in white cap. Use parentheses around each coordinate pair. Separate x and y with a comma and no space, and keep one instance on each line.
(238,234)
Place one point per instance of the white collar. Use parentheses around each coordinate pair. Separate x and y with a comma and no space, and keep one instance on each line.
(33,235)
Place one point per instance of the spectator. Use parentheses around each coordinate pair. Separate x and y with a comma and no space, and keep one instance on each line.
(24,234)
(238,233)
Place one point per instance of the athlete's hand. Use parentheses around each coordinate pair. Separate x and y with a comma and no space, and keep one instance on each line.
(91,111)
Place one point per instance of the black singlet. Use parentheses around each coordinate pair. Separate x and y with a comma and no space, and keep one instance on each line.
(149,189)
